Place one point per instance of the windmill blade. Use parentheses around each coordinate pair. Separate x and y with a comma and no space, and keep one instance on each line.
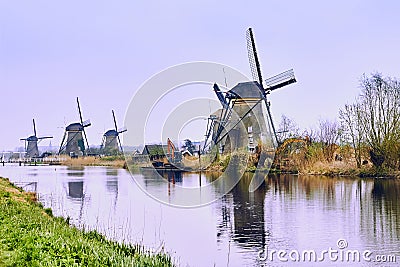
(122,130)
(62,144)
(34,127)
(220,96)
(87,143)
(86,123)
(115,121)
(79,110)
(253,57)
(82,123)
(120,144)
(116,129)
(272,123)
(44,137)
(23,139)
(280,80)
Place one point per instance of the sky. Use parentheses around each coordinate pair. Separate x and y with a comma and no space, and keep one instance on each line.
(101,51)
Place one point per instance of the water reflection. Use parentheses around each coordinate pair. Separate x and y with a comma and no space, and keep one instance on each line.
(386,209)
(75,190)
(112,184)
(111,172)
(78,171)
(249,225)
(295,211)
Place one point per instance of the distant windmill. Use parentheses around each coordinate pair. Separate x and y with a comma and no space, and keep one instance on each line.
(73,142)
(111,138)
(245,99)
(31,143)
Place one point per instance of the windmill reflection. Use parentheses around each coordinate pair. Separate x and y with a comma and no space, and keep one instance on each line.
(77,171)
(112,184)
(243,214)
(75,192)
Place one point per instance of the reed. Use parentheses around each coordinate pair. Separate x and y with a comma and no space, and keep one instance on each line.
(112,161)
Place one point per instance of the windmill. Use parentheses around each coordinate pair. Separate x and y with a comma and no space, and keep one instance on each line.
(31,143)
(245,101)
(111,138)
(73,142)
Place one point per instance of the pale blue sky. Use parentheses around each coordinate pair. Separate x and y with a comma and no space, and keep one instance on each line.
(102,51)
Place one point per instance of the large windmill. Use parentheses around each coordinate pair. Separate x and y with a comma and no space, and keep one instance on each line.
(73,142)
(111,138)
(246,103)
(31,143)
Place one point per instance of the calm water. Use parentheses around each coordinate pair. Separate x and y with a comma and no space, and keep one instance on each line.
(289,213)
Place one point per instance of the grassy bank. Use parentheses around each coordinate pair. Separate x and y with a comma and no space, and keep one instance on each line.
(31,236)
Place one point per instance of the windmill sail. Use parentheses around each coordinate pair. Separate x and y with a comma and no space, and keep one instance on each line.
(253,57)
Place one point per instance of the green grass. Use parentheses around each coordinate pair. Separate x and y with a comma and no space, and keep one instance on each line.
(31,236)
(112,158)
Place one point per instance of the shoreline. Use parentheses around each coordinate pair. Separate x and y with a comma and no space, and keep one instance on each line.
(318,168)
(33,236)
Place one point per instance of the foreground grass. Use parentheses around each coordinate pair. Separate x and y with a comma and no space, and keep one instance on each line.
(31,236)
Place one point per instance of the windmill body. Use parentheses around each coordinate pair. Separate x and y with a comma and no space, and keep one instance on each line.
(249,108)
(73,142)
(32,150)
(111,142)
(31,143)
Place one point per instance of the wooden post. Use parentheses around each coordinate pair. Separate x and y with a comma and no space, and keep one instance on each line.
(199,159)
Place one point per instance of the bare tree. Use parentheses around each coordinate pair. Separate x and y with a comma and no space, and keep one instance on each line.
(380,118)
(287,129)
(351,126)
(328,136)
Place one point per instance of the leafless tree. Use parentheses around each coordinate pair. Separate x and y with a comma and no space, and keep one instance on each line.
(287,129)
(380,118)
(328,136)
(374,121)
(351,126)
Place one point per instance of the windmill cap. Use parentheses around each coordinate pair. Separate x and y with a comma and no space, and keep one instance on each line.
(74,127)
(111,133)
(32,138)
(247,90)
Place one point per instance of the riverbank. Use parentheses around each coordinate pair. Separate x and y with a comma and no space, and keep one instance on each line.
(333,168)
(31,236)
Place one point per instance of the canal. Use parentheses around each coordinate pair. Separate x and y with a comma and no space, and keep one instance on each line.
(281,224)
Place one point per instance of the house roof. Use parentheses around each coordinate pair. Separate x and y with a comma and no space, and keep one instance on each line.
(153,150)
(186,152)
